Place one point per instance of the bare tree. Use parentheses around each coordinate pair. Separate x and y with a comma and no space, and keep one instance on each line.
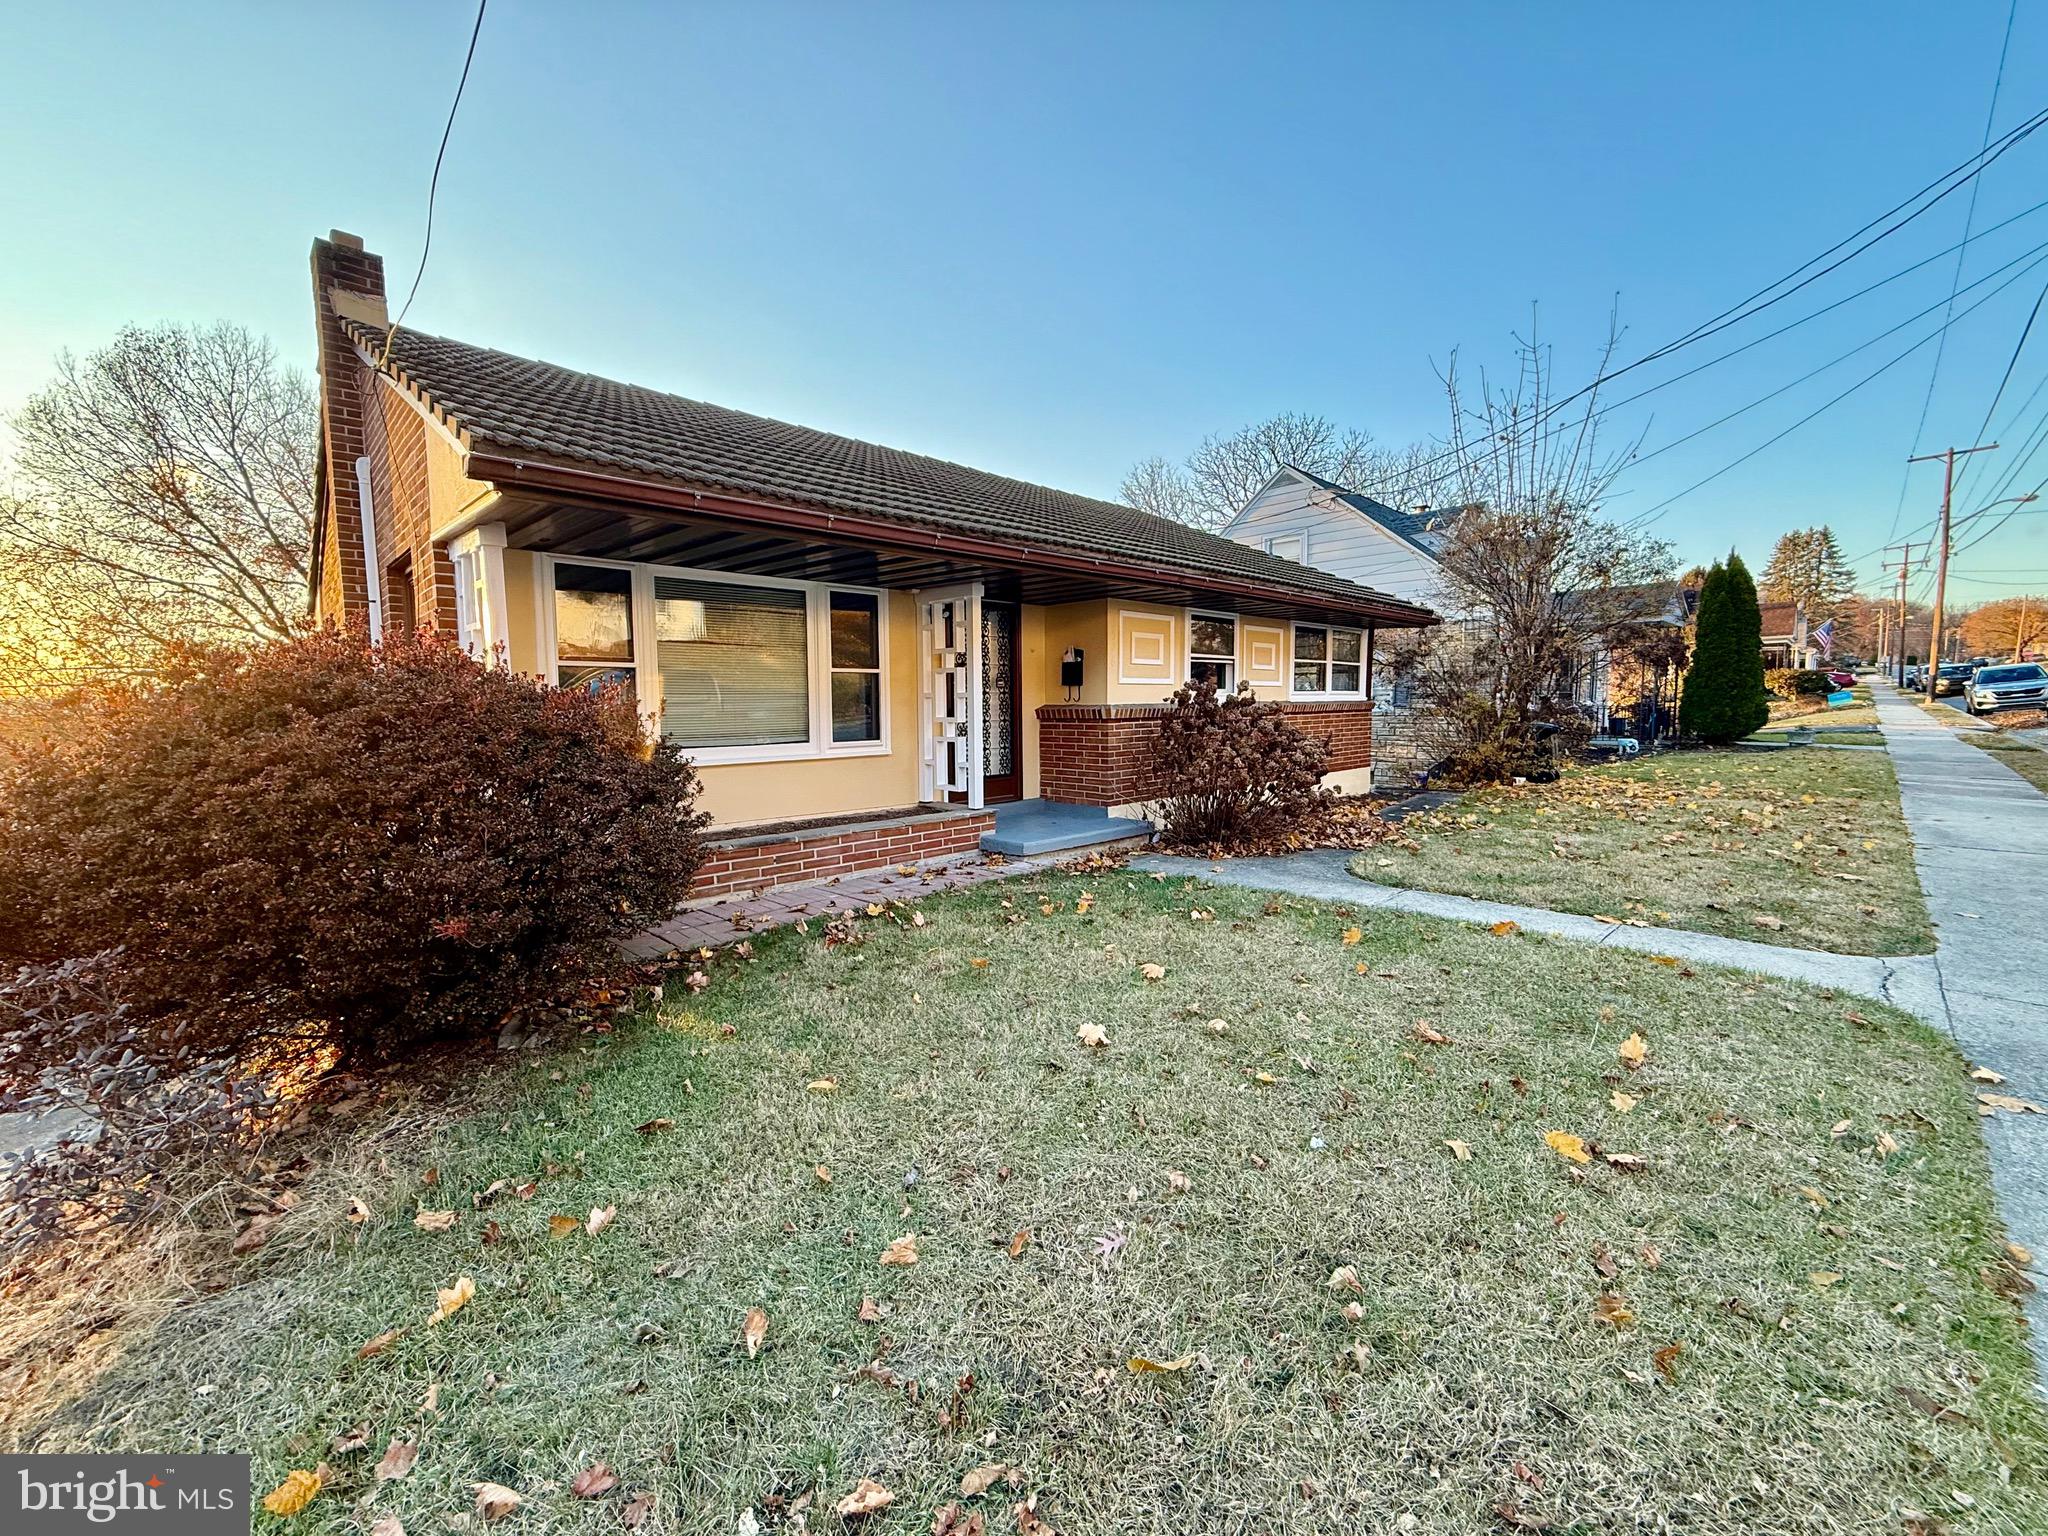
(1214,482)
(165,493)
(1549,580)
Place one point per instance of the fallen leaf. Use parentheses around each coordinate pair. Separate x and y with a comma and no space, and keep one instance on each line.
(1152,972)
(593,1480)
(1986,1075)
(1765,920)
(1141,1366)
(561,1226)
(1623,1162)
(870,1310)
(978,963)
(1650,1254)
(1429,1034)
(1345,1278)
(2019,1253)
(953,1520)
(379,1344)
(256,1233)
(1633,1050)
(823,1085)
(1670,960)
(1666,1361)
(452,1300)
(1503,928)
(634,1512)
(903,1251)
(387,1524)
(397,1459)
(433,1221)
(754,1330)
(1019,1242)
(822,1174)
(1092,1035)
(980,1479)
(1462,1151)
(1567,1146)
(1938,1411)
(600,1218)
(358,1213)
(2008,1103)
(494,1501)
(291,1496)
(1622,1102)
(1030,1522)
(655,1126)
(1352,935)
(867,1497)
(1821,1279)
(1613,1311)
(1603,1262)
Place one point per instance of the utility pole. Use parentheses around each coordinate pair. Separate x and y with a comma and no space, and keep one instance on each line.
(1948,457)
(1905,565)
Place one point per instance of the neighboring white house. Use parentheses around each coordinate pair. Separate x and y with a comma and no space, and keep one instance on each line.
(1301,516)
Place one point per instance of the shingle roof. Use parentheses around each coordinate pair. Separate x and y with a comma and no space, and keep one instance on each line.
(1414,528)
(537,411)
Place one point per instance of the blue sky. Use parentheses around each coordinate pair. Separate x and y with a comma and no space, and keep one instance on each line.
(1050,239)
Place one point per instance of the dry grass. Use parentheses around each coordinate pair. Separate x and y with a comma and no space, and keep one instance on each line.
(1804,838)
(1308,1135)
(2023,758)
(1791,712)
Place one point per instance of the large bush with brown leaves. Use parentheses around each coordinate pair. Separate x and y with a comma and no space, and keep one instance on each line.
(322,841)
(1236,771)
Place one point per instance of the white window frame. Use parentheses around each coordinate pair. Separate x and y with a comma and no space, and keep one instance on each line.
(647,671)
(1299,535)
(1330,632)
(1236,623)
(478,557)
(879,671)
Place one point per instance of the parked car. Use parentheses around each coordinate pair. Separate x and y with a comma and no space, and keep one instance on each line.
(1953,677)
(1915,678)
(2021,685)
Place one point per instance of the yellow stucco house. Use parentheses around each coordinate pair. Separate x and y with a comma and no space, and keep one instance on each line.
(872,656)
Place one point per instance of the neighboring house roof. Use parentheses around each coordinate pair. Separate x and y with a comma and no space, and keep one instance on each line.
(533,411)
(1779,619)
(1420,530)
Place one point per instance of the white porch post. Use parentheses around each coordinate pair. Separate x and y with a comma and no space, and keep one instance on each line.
(951,715)
(479,557)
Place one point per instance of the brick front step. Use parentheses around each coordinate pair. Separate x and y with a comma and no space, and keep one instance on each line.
(740,862)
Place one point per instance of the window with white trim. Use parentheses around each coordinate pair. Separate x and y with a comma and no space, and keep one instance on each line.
(732,668)
(1289,546)
(1212,649)
(594,627)
(734,663)
(1328,660)
(856,666)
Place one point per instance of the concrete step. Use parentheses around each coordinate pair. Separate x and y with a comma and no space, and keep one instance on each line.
(1030,827)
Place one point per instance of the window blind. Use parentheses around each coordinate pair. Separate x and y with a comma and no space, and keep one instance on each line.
(734,663)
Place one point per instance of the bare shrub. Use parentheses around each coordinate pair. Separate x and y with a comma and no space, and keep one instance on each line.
(1236,769)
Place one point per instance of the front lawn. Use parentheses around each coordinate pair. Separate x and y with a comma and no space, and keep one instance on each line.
(1287,1251)
(2023,758)
(1803,847)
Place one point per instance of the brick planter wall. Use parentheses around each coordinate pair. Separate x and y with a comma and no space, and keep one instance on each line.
(743,863)
(1104,754)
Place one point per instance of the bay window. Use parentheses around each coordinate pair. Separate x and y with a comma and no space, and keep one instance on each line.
(1212,649)
(1328,660)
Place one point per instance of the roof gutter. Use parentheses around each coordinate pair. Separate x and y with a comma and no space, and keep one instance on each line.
(502,471)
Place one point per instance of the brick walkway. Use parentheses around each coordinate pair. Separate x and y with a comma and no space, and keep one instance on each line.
(734,917)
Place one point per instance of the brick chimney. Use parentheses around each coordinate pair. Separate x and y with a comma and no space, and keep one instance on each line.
(348,283)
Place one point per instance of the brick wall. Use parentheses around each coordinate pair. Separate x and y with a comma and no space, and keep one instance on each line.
(1104,754)
(748,864)
(395,441)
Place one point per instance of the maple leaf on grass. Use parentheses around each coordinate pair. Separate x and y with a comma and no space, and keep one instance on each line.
(453,1299)
(593,1481)
(494,1501)
(903,1251)
(397,1460)
(299,1488)
(867,1498)
(754,1330)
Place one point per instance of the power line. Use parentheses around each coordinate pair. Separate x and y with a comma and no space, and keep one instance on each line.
(1644,518)
(1969,218)
(434,183)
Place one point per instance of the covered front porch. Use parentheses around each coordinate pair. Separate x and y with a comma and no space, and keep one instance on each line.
(827,673)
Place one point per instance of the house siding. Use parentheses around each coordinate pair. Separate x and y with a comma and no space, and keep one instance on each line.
(1342,541)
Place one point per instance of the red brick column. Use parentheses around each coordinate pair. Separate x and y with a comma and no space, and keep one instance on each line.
(1105,754)
(340,262)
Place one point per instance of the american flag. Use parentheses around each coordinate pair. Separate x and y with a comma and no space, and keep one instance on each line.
(1824,637)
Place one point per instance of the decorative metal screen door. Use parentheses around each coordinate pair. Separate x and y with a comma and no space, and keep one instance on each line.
(1002,778)
(950,631)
